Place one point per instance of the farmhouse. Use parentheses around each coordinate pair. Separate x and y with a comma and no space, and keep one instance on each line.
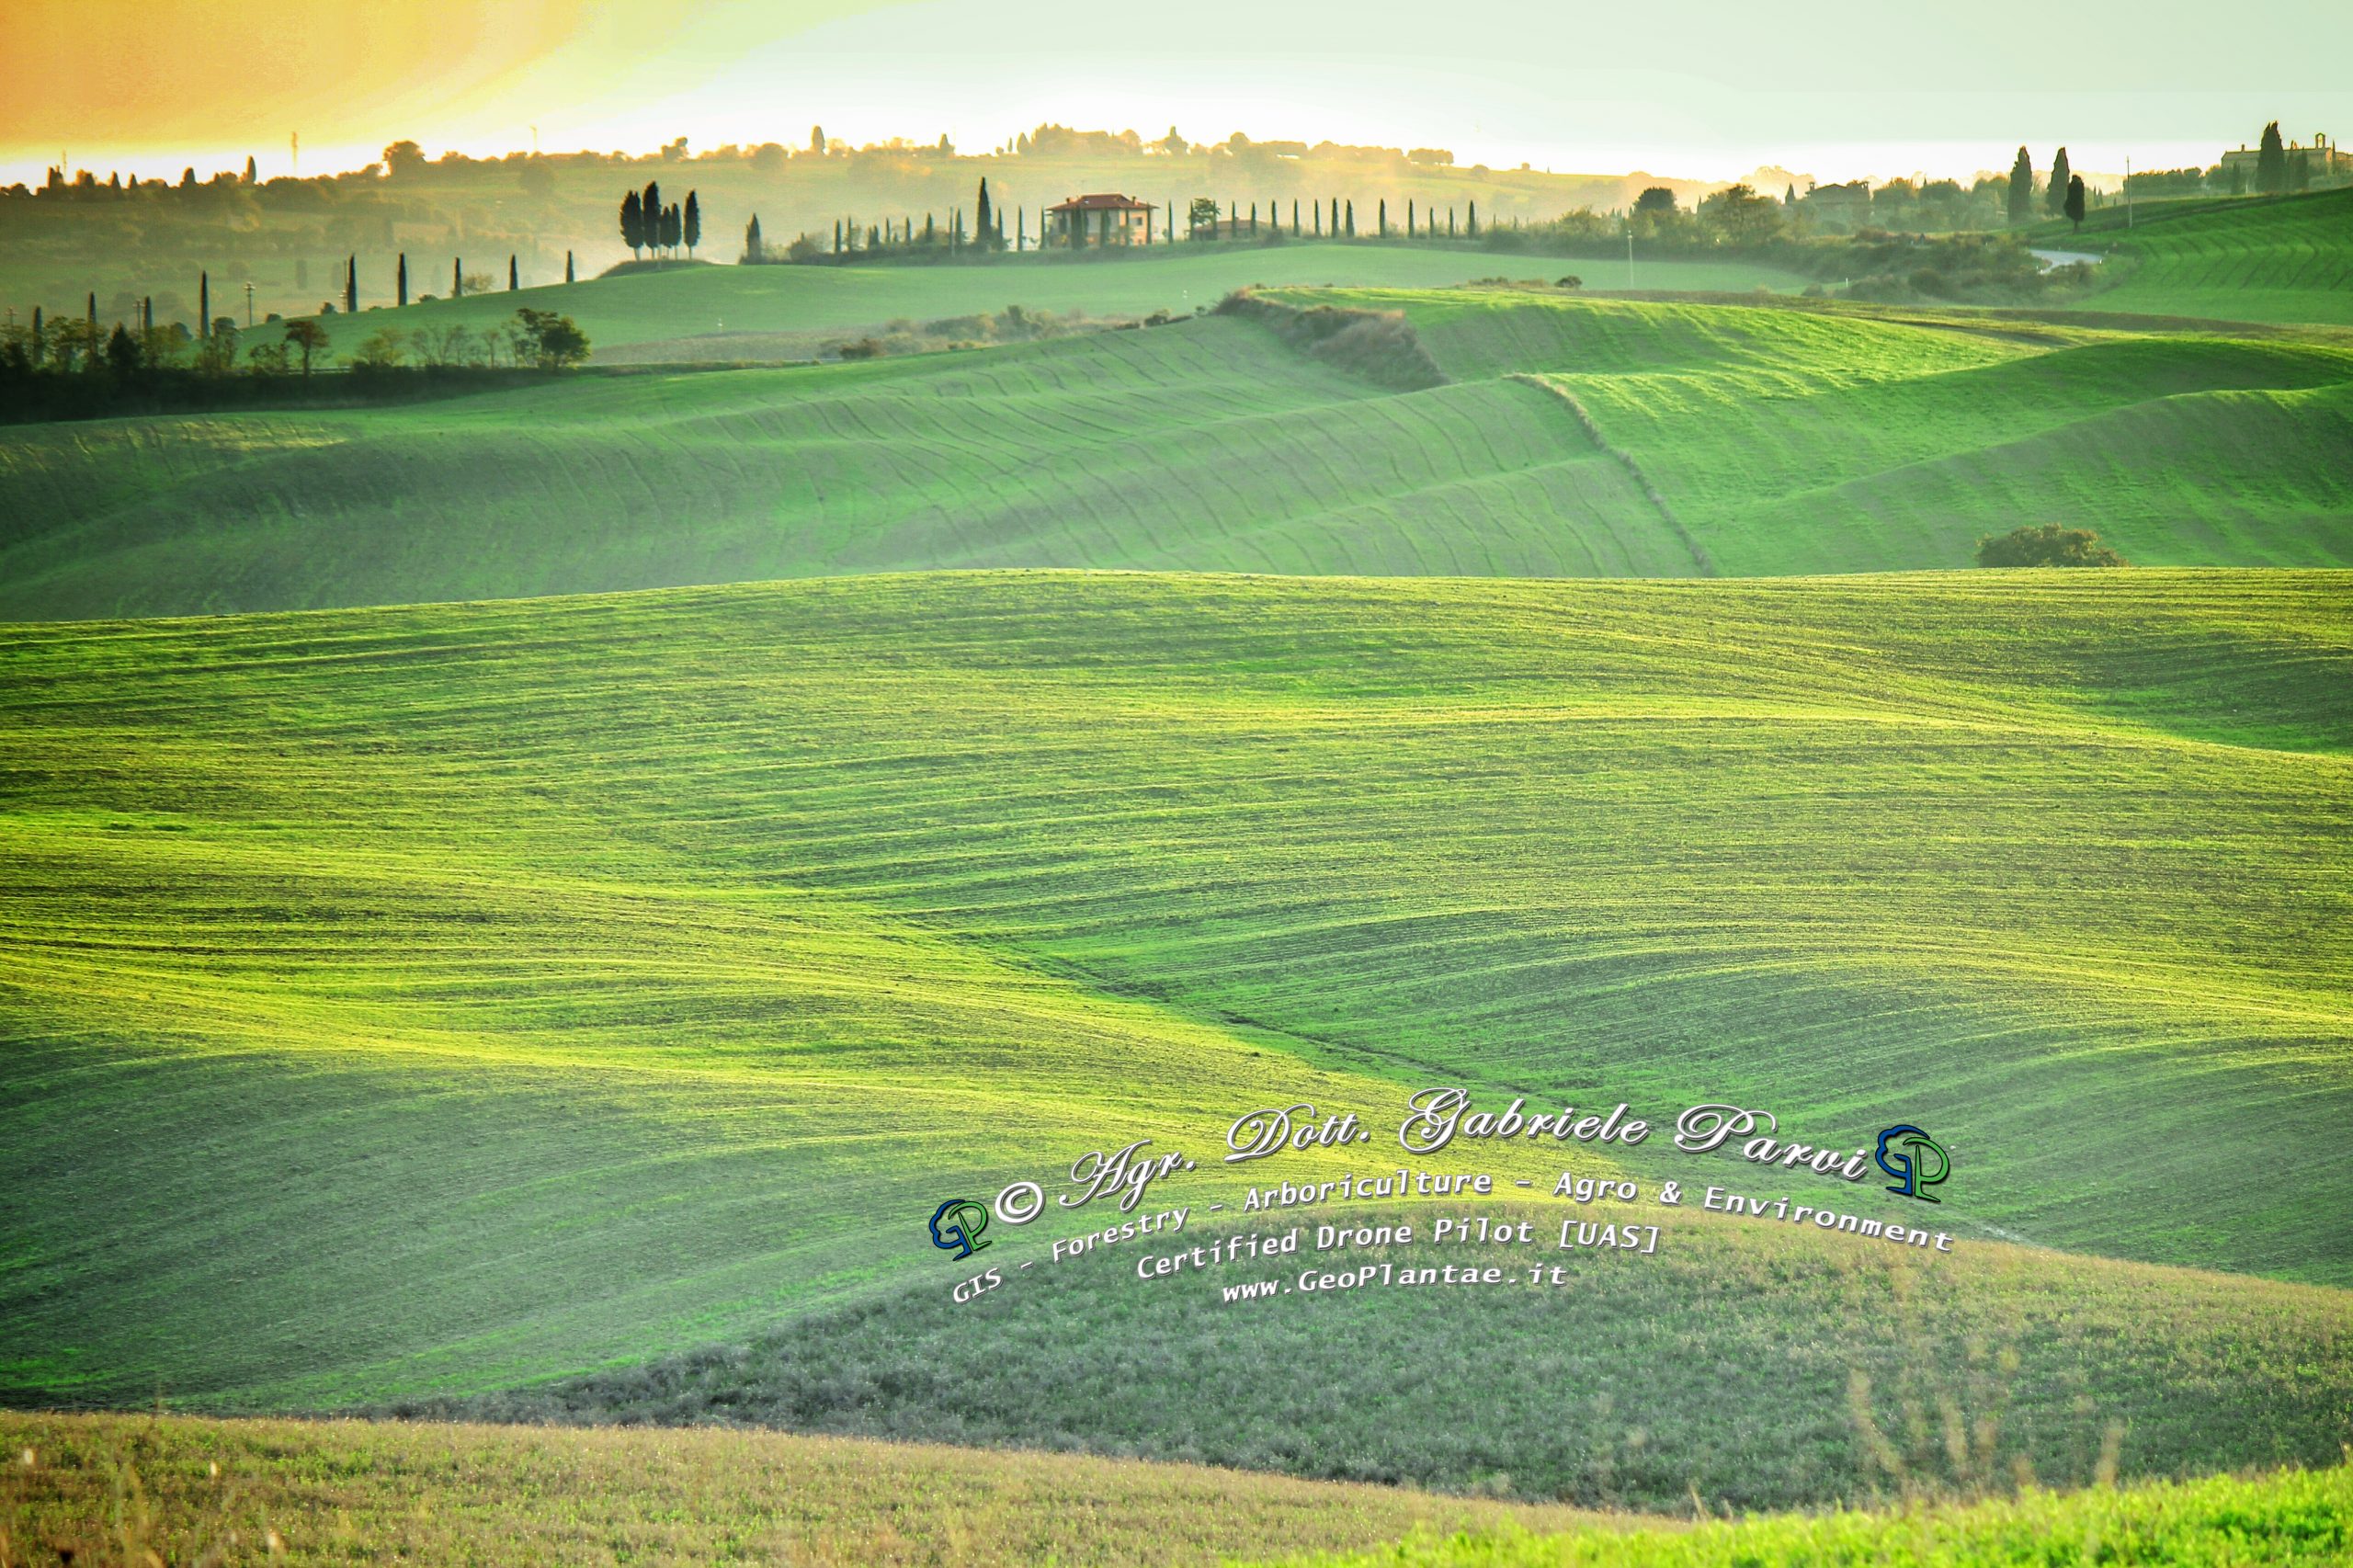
(2324,162)
(1100,220)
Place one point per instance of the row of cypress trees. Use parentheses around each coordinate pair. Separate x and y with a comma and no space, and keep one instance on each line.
(646,224)
(351,286)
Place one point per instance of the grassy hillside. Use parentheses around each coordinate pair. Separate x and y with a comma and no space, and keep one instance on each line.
(363,1493)
(1766,1367)
(1583,437)
(707,303)
(1803,441)
(2289,259)
(558,948)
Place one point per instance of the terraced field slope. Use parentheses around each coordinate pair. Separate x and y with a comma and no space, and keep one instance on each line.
(1582,437)
(626,973)
(694,308)
(2287,259)
(1207,445)
(1788,440)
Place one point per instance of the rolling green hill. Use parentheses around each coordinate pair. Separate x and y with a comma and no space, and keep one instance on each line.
(1204,445)
(1582,437)
(425,1000)
(1798,441)
(695,310)
(2284,259)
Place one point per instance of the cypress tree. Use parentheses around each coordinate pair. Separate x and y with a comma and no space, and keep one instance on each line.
(1409,217)
(837,236)
(2073,204)
(567,261)
(2271,164)
(751,247)
(456,277)
(982,214)
(513,276)
(633,223)
(203,307)
(1319,220)
(1335,217)
(691,229)
(1352,219)
(1294,217)
(2054,201)
(1383,230)
(351,287)
(1471,225)
(652,202)
(2299,170)
(1449,223)
(400,279)
(2021,196)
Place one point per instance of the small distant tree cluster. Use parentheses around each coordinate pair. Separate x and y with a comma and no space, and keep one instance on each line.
(535,339)
(646,224)
(2046,545)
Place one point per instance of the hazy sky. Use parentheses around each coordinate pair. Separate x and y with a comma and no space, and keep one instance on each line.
(1701,87)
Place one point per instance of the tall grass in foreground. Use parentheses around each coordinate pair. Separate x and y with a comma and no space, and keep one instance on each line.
(2289,1518)
(111,1490)
(123,1490)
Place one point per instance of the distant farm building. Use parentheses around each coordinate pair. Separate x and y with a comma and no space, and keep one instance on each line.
(1844,206)
(2324,163)
(1100,220)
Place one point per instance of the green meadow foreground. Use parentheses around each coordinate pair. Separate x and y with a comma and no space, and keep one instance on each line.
(351,1493)
(417,1004)
(1571,436)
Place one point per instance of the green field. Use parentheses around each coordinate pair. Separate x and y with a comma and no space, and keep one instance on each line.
(2221,1522)
(2287,259)
(1582,437)
(694,310)
(428,1000)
